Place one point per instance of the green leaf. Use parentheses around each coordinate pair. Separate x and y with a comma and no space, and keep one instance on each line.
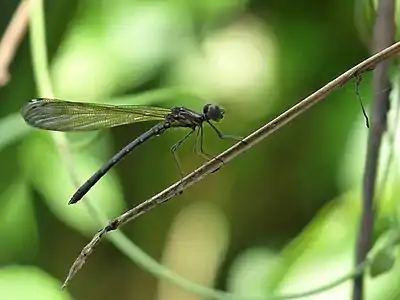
(251,271)
(387,240)
(21,283)
(16,212)
(12,128)
(49,174)
(382,262)
(155,25)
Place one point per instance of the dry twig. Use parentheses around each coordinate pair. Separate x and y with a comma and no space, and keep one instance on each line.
(12,38)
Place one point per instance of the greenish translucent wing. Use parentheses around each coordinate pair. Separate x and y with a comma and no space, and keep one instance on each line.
(60,115)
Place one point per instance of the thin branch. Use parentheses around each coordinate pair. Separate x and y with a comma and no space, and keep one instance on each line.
(231,153)
(384,34)
(12,38)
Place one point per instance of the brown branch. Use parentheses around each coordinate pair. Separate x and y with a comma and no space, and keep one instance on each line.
(384,35)
(231,153)
(12,38)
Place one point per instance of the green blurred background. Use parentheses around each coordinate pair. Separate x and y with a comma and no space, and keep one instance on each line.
(281,218)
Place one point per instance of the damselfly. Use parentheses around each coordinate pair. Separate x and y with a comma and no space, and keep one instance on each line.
(60,115)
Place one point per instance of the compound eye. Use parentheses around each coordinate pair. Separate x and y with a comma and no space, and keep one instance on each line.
(213,112)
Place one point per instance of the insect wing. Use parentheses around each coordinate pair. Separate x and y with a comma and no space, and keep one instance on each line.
(59,115)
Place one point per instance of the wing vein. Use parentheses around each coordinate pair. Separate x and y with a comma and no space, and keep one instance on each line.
(59,115)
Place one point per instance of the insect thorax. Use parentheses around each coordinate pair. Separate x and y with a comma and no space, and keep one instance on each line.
(183,117)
